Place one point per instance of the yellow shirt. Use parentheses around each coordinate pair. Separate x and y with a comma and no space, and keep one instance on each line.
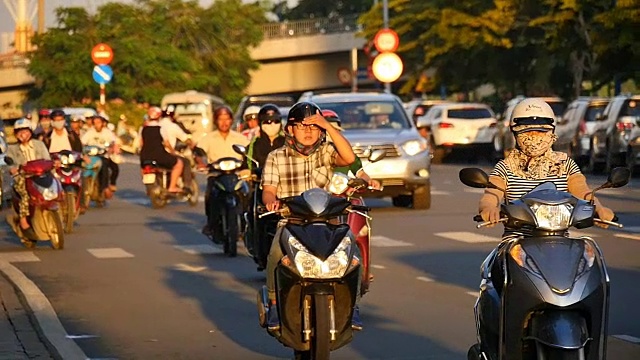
(218,147)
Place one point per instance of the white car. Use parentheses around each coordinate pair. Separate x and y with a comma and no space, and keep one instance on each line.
(458,125)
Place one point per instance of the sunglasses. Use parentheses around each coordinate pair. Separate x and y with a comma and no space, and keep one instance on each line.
(301,126)
(250,117)
(271,121)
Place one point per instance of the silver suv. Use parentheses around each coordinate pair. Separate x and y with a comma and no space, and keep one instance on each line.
(612,132)
(378,121)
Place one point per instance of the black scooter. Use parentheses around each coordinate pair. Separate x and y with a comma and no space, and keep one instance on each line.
(548,295)
(318,280)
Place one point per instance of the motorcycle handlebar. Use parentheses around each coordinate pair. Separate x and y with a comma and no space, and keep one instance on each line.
(360,208)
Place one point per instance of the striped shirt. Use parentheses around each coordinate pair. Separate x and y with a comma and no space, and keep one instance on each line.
(292,173)
(518,186)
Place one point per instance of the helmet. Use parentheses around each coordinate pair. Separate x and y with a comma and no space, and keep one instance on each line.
(100,117)
(221,109)
(332,117)
(154,113)
(532,115)
(77,118)
(88,114)
(44,112)
(57,112)
(169,111)
(22,124)
(269,112)
(251,113)
(301,110)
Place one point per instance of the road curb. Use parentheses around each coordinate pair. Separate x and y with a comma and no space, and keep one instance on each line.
(46,318)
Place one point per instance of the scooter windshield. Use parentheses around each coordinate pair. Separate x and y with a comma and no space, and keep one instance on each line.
(547,193)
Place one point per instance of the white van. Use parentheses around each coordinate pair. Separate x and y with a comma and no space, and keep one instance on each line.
(194,110)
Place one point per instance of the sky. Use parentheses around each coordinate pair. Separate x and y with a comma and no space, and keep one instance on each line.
(8,25)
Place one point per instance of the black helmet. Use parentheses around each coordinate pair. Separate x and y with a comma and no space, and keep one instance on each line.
(269,112)
(302,110)
(56,113)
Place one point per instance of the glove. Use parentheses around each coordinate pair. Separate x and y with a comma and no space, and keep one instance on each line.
(604,213)
(491,214)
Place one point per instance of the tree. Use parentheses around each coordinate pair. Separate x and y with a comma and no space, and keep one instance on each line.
(160,46)
(308,9)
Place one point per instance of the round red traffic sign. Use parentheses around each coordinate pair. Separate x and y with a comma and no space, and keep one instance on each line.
(386,40)
(387,67)
(102,54)
(344,75)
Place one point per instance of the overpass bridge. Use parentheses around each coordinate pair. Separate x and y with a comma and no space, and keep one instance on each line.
(294,57)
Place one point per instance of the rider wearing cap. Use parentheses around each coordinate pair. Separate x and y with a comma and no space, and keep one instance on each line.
(60,139)
(251,122)
(44,125)
(100,135)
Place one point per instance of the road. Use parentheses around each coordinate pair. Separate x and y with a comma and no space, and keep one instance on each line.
(139,283)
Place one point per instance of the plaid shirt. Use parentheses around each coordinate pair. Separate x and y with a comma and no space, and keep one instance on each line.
(292,174)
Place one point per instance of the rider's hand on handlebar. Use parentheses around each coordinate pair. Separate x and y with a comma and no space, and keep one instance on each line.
(604,213)
(273,206)
(491,214)
(375,184)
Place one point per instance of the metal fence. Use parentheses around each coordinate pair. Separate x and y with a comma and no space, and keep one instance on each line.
(333,25)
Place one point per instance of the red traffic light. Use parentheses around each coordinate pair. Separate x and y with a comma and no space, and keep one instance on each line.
(386,40)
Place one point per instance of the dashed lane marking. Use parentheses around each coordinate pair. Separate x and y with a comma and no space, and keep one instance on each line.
(383,241)
(19,256)
(200,249)
(628,338)
(425,279)
(627,236)
(378,266)
(439,192)
(189,268)
(144,201)
(473,293)
(110,253)
(468,237)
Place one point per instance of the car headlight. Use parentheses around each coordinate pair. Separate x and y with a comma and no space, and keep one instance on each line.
(339,183)
(552,217)
(227,165)
(310,266)
(413,147)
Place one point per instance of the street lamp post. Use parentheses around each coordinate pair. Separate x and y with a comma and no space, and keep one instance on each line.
(385,24)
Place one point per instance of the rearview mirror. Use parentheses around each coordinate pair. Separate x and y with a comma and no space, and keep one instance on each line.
(240,149)
(474,177)
(8,160)
(377,155)
(619,177)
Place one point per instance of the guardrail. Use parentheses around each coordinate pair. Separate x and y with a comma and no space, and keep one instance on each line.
(12,61)
(322,26)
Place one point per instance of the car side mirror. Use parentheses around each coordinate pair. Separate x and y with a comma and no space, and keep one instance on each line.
(474,177)
(377,155)
(240,149)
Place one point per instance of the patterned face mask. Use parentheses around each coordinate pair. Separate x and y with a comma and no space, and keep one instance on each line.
(534,144)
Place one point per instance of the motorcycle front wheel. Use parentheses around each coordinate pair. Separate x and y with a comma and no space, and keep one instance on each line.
(233,230)
(193,198)
(320,342)
(54,229)
(69,211)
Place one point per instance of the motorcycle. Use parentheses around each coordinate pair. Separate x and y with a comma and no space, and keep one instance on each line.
(550,300)
(156,179)
(229,192)
(317,281)
(90,182)
(45,195)
(69,173)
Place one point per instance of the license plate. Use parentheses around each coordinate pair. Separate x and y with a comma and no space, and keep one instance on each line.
(148,178)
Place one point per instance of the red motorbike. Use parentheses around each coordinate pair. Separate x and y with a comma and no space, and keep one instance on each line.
(70,175)
(45,195)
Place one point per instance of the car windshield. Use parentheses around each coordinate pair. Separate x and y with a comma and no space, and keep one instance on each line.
(593,111)
(190,108)
(469,113)
(557,107)
(631,108)
(369,114)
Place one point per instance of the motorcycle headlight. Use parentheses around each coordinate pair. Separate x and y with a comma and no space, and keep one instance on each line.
(413,147)
(50,193)
(552,217)
(310,266)
(339,183)
(227,165)
(588,258)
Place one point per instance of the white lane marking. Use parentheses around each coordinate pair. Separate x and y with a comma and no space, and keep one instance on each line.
(378,266)
(438,192)
(189,268)
(628,338)
(627,236)
(475,191)
(199,249)
(473,293)
(468,237)
(44,313)
(425,279)
(109,253)
(383,241)
(146,202)
(81,336)
(22,256)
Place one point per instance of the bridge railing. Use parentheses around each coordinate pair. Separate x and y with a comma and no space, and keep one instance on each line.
(12,61)
(321,26)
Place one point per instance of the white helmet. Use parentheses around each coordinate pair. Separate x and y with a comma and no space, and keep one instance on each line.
(532,115)
(22,124)
(251,110)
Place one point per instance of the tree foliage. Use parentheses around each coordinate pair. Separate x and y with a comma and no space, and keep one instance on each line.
(306,9)
(159,46)
(528,47)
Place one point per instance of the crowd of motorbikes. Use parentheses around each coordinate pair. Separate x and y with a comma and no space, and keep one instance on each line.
(59,191)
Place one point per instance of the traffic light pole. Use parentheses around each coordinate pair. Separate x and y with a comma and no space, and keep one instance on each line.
(385,25)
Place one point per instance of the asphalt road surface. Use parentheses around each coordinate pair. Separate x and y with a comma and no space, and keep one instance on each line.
(139,283)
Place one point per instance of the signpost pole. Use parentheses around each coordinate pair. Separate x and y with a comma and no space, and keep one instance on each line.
(385,22)
(102,94)
(354,69)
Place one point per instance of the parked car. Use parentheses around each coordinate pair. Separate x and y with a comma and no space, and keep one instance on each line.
(576,126)
(504,141)
(459,125)
(612,132)
(419,107)
(633,152)
(374,121)
(284,102)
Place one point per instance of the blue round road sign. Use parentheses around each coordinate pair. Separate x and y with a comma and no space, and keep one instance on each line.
(102,74)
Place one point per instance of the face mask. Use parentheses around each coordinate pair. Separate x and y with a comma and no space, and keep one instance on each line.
(535,144)
(58,124)
(45,124)
(270,129)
